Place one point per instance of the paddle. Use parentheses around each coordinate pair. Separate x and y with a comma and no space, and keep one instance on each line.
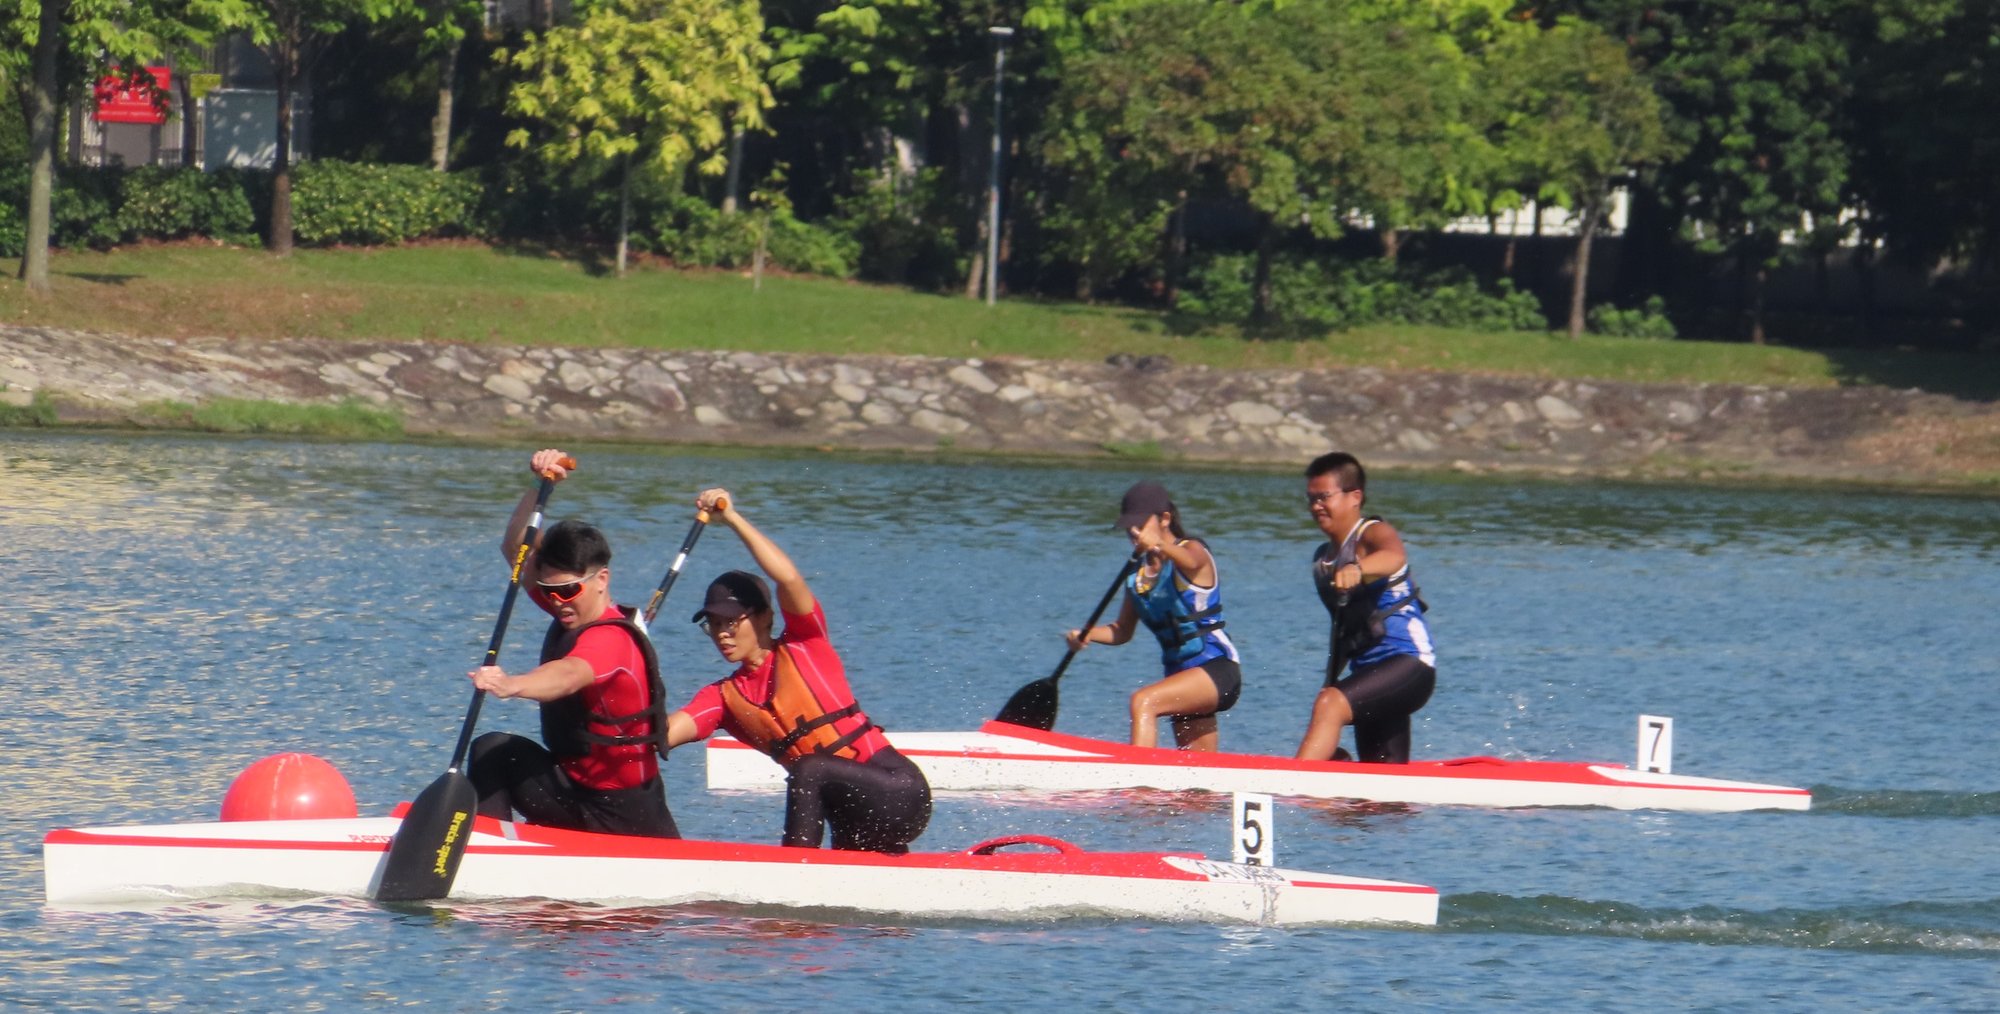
(674,570)
(1034,705)
(425,853)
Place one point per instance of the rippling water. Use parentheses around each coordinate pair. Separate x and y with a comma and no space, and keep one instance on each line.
(184,607)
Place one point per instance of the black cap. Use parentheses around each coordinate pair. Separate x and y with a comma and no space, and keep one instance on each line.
(1145,499)
(737,593)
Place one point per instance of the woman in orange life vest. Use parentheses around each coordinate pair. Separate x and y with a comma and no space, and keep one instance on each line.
(789,697)
(603,705)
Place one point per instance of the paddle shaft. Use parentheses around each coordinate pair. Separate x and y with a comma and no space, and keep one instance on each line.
(680,559)
(1124,572)
(528,537)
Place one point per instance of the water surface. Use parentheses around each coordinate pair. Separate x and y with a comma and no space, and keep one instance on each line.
(184,607)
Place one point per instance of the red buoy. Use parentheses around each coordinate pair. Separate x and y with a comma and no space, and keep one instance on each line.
(288,786)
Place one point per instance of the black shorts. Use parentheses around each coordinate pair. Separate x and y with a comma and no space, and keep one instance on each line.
(1383,696)
(514,774)
(1227,675)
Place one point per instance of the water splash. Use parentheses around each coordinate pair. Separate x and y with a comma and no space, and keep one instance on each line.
(1947,929)
(1903,802)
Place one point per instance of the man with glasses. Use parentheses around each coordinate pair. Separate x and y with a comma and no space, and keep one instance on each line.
(1362,574)
(789,697)
(602,700)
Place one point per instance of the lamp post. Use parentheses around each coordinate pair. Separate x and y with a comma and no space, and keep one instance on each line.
(1001,34)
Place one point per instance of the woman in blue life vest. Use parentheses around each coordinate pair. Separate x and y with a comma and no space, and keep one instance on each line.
(1380,637)
(1175,592)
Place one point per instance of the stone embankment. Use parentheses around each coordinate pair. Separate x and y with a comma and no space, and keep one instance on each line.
(1144,406)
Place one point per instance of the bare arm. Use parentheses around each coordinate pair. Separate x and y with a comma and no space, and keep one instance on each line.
(1116,632)
(1379,555)
(680,730)
(549,681)
(1194,562)
(794,595)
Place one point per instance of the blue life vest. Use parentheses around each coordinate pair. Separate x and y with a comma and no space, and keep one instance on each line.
(1186,619)
(1373,621)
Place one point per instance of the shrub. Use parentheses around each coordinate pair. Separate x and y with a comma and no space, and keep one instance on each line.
(1312,296)
(898,231)
(696,234)
(1648,321)
(349,202)
(171,203)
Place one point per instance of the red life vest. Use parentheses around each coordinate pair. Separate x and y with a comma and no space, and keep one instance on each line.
(793,722)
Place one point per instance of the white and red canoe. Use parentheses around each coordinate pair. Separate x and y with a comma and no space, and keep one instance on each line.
(1003,757)
(1023,877)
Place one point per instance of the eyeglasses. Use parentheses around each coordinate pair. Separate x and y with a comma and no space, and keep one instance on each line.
(1315,499)
(568,590)
(711,626)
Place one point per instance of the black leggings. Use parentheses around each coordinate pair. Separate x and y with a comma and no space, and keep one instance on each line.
(880,806)
(516,774)
(1384,696)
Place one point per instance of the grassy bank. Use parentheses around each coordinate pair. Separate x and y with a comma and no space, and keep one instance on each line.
(471,293)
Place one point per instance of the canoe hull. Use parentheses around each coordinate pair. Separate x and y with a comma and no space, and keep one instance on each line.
(1002,757)
(94,867)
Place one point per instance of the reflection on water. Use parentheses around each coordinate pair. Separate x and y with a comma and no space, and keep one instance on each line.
(194,605)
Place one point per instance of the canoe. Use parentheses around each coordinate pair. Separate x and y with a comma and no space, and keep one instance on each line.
(1003,757)
(1016,878)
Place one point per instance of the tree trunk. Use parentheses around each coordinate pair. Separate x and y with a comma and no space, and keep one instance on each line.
(732,181)
(1759,281)
(285,65)
(190,110)
(624,210)
(441,122)
(1176,250)
(42,148)
(1579,286)
(1260,278)
(1392,243)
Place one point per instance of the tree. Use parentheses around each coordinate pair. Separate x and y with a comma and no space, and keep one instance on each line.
(445,25)
(292,34)
(658,81)
(1757,93)
(69,44)
(1572,116)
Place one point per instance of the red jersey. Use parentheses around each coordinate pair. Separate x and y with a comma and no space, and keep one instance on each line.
(805,643)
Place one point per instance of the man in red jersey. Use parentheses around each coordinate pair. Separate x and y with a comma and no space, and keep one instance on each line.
(789,697)
(602,701)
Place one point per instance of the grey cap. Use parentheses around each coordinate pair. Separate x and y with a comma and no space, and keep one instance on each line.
(1145,499)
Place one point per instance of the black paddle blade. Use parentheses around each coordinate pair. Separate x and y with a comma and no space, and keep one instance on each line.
(1033,706)
(424,856)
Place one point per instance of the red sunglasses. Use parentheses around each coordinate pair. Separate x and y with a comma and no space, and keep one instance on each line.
(567,591)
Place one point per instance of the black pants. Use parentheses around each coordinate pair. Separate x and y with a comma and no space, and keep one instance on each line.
(514,774)
(1384,696)
(880,806)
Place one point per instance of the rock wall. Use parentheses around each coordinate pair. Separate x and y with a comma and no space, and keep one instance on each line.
(1133,406)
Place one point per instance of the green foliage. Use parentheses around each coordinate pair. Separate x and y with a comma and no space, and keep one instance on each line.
(1317,296)
(39,412)
(659,80)
(900,229)
(694,234)
(1648,321)
(173,203)
(347,202)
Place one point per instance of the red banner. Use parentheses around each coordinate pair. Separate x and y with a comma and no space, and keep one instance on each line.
(137,98)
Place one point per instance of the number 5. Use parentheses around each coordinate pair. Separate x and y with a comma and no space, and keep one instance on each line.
(1255,840)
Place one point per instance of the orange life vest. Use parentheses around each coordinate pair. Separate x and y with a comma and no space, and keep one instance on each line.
(794,722)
